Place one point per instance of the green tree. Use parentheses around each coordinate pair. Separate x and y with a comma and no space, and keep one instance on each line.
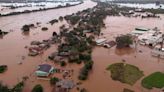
(54,80)
(37,88)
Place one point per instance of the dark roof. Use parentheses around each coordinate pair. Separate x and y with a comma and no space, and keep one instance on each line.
(111,43)
(45,67)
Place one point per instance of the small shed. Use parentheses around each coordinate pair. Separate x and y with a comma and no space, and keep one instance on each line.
(44,70)
(100,41)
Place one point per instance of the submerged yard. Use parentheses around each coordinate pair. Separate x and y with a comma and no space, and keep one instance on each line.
(125,73)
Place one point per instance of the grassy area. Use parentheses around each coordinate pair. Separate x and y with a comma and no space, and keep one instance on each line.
(154,80)
(125,73)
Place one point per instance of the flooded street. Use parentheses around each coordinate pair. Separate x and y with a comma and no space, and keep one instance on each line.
(12,49)
(100,80)
(12,45)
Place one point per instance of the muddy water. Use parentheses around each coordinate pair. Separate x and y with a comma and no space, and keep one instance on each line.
(12,45)
(12,49)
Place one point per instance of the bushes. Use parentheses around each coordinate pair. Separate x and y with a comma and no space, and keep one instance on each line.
(54,80)
(37,88)
(3,68)
(44,28)
(61,18)
(18,87)
(62,63)
(26,28)
(73,19)
(127,90)
(85,70)
(53,21)
(85,57)
(83,90)
(4,88)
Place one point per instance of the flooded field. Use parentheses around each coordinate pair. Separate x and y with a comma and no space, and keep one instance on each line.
(12,49)
(100,78)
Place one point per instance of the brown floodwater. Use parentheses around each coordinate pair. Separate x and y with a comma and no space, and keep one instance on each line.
(12,48)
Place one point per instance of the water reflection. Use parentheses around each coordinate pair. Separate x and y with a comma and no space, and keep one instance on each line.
(1,36)
(124,51)
(27,33)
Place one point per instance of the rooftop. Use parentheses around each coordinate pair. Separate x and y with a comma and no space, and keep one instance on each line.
(44,67)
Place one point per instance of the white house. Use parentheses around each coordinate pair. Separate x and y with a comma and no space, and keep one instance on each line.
(44,70)
(139,31)
(101,41)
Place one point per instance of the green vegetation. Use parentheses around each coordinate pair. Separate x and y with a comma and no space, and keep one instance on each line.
(37,88)
(44,28)
(53,21)
(27,27)
(3,68)
(62,63)
(154,80)
(72,19)
(17,88)
(127,90)
(83,90)
(61,18)
(124,41)
(4,88)
(85,70)
(54,80)
(125,73)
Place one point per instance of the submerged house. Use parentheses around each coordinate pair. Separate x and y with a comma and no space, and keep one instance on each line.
(101,41)
(139,31)
(150,38)
(64,86)
(44,70)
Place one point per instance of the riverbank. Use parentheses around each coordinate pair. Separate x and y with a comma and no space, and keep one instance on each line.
(33,7)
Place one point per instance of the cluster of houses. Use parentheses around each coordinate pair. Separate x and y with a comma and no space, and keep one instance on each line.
(63,85)
(139,13)
(38,47)
(150,37)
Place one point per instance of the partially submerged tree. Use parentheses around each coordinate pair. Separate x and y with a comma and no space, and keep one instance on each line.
(3,68)
(54,80)
(26,28)
(37,88)
(44,28)
(124,41)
